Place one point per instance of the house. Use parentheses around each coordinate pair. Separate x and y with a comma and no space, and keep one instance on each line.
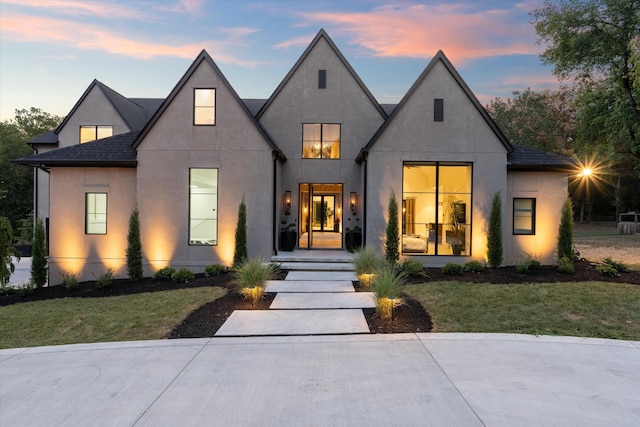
(321,157)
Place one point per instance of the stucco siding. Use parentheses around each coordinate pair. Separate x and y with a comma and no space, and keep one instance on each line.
(70,248)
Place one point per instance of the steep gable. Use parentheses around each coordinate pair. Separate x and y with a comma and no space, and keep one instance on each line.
(439,80)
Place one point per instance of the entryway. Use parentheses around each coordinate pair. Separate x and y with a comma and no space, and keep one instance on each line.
(320,216)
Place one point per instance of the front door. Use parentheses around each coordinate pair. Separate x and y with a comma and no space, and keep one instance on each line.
(320,216)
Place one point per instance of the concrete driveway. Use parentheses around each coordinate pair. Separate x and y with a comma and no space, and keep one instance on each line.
(350,380)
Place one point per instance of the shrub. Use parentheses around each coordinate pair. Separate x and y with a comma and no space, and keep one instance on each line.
(6,289)
(388,287)
(6,251)
(39,255)
(183,275)
(565,231)
(240,253)
(251,277)
(473,267)
(452,268)
(69,279)
(529,263)
(164,273)
(608,270)
(26,289)
(565,265)
(105,279)
(214,270)
(134,248)
(618,266)
(412,268)
(366,263)
(533,262)
(494,234)
(522,267)
(392,246)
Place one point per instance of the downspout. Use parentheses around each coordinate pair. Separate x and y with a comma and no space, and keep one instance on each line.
(275,201)
(364,202)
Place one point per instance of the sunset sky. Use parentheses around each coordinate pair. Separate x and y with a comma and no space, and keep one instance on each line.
(51,50)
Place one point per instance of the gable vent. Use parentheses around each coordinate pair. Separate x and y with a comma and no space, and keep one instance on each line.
(322,79)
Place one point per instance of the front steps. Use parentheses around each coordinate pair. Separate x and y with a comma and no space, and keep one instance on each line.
(314,260)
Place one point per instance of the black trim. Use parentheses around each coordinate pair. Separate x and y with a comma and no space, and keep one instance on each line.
(322,79)
(438,110)
(533,217)
(322,142)
(86,213)
(215,105)
(216,208)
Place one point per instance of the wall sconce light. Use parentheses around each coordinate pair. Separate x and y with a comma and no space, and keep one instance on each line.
(287,202)
(353,202)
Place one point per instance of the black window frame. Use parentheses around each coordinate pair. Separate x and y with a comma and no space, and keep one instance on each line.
(438,110)
(215,104)
(95,132)
(322,79)
(322,142)
(86,212)
(519,231)
(191,242)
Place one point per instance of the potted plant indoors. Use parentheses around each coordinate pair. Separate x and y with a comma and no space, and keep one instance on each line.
(288,237)
(457,217)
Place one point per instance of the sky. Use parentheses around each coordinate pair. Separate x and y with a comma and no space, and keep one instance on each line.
(51,50)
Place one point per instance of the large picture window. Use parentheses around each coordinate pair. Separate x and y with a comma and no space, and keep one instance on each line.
(95,213)
(203,206)
(320,141)
(204,107)
(524,216)
(91,133)
(436,208)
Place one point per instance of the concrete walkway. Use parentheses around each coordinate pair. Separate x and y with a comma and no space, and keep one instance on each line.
(358,380)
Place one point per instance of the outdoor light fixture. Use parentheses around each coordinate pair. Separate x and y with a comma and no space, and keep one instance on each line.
(287,202)
(353,202)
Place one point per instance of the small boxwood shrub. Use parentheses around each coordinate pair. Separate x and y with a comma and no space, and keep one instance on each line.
(164,273)
(214,270)
(608,270)
(452,268)
(473,267)
(69,280)
(412,269)
(105,279)
(565,265)
(183,275)
(618,266)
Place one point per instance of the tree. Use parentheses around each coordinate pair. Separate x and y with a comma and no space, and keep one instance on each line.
(596,42)
(392,249)
(134,248)
(39,255)
(16,181)
(6,251)
(565,231)
(240,254)
(494,234)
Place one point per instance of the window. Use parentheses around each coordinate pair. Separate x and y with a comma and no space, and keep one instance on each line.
(322,79)
(436,208)
(91,133)
(438,110)
(204,107)
(203,206)
(524,216)
(320,141)
(95,213)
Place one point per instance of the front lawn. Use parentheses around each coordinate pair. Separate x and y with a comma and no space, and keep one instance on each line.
(144,316)
(586,309)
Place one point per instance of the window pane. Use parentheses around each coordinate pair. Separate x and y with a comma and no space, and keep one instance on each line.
(204,103)
(96,213)
(419,212)
(203,206)
(311,145)
(523,216)
(87,133)
(331,141)
(104,131)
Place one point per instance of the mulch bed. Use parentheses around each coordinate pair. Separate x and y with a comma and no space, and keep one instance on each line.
(410,317)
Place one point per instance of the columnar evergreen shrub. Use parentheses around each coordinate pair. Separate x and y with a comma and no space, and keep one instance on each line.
(392,247)
(494,235)
(6,251)
(565,231)
(134,248)
(240,254)
(39,255)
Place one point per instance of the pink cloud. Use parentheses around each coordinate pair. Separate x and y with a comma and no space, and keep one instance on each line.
(188,7)
(76,8)
(83,36)
(419,31)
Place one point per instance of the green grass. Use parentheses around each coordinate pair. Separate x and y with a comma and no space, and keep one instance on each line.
(144,316)
(591,309)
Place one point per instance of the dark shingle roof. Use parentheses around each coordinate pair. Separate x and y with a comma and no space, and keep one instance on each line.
(527,158)
(113,151)
(46,138)
(254,105)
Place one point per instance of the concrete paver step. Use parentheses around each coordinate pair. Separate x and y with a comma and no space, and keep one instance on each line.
(317,266)
(298,301)
(309,286)
(321,275)
(294,322)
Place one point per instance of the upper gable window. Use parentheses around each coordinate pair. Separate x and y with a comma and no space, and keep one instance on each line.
(320,141)
(322,79)
(438,110)
(91,133)
(204,107)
